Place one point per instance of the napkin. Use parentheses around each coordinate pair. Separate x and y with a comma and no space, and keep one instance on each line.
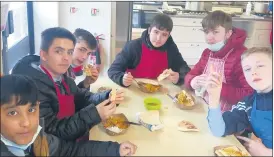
(150,120)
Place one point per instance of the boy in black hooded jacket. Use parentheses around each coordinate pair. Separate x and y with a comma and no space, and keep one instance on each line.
(21,134)
(69,112)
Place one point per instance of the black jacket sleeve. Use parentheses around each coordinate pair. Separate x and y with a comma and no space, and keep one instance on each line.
(58,147)
(237,119)
(69,128)
(178,64)
(126,59)
(81,85)
(83,97)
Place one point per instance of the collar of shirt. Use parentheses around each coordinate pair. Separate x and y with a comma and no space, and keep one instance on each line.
(58,79)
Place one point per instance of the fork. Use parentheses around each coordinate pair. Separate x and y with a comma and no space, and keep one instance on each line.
(138,84)
(174,99)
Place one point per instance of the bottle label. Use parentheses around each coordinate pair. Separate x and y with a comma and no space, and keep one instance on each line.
(92,60)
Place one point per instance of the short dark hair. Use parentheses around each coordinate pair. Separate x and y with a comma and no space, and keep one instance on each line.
(162,22)
(20,87)
(217,18)
(48,35)
(84,35)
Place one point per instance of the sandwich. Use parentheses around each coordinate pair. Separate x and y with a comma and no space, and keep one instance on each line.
(230,151)
(87,70)
(164,75)
(187,126)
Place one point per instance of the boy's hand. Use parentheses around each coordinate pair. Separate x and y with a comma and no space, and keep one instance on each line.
(120,96)
(173,76)
(127,79)
(213,88)
(198,81)
(127,149)
(255,147)
(91,79)
(106,109)
(94,72)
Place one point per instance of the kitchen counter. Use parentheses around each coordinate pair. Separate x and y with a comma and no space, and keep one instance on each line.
(236,18)
(168,141)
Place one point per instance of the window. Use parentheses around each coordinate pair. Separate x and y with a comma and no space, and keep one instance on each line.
(20,21)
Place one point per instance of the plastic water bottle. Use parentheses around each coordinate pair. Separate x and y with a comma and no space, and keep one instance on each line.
(187,5)
(248,8)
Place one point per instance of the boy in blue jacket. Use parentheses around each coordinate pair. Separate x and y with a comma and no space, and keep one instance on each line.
(255,111)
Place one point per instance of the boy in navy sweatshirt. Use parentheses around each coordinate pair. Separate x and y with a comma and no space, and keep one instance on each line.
(255,111)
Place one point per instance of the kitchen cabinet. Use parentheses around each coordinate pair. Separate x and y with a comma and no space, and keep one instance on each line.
(261,34)
(188,35)
(261,38)
(177,21)
(191,52)
(263,25)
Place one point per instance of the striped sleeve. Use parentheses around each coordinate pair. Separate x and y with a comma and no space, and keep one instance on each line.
(236,120)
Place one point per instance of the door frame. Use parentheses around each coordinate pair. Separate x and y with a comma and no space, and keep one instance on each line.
(30,37)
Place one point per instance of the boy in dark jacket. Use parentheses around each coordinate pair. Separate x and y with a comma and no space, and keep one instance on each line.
(85,45)
(21,134)
(255,111)
(69,111)
(150,55)
(223,55)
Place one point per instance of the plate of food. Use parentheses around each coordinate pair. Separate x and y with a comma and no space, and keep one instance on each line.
(149,86)
(229,150)
(185,101)
(117,124)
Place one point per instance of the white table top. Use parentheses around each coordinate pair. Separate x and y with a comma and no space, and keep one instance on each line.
(168,141)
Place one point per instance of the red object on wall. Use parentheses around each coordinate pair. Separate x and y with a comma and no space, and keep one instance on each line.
(73,10)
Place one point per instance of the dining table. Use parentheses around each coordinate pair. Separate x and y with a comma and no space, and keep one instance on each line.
(168,141)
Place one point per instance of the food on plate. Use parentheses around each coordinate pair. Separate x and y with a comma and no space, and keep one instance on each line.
(87,70)
(151,117)
(187,126)
(116,123)
(230,151)
(152,82)
(185,99)
(149,85)
(115,129)
(164,75)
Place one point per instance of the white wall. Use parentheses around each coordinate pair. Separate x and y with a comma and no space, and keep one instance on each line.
(100,24)
(53,14)
(45,15)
